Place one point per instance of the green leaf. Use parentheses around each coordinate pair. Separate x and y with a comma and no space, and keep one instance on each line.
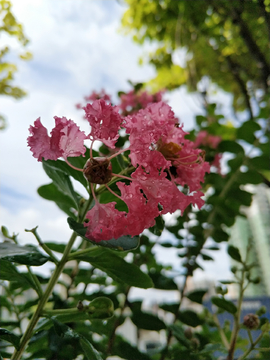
(90,352)
(60,180)
(162,282)
(117,268)
(230,146)
(64,202)
(246,131)
(206,257)
(158,227)
(178,332)
(147,321)
(125,350)
(224,304)
(173,308)
(249,177)
(67,333)
(210,348)
(190,318)
(124,243)
(10,337)
(25,255)
(9,272)
(234,253)
(100,308)
(196,296)
(78,161)
(57,247)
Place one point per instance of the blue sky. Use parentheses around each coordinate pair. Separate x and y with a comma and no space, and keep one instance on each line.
(77,48)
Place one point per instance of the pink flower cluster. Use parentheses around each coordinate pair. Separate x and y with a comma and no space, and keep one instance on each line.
(211,141)
(133,101)
(95,96)
(164,164)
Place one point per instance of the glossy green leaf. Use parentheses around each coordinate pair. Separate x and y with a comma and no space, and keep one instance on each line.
(9,272)
(117,268)
(67,333)
(64,202)
(224,304)
(10,337)
(79,162)
(124,243)
(60,180)
(196,296)
(190,318)
(26,255)
(147,321)
(234,253)
(90,352)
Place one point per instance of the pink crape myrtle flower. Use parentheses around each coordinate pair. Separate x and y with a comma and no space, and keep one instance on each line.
(163,163)
(206,139)
(66,140)
(133,101)
(95,96)
(105,122)
(164,146)
(211,141)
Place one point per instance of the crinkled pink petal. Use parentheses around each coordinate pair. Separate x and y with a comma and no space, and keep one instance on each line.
(105,222)
(40,143)
(141,213)
(68,137)
(105,122)
(161,191)
(190,168)
(66,140)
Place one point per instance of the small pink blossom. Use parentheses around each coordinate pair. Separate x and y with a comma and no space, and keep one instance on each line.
(66,140)
(133,101)
(105,122)
(206,139)
(98,95)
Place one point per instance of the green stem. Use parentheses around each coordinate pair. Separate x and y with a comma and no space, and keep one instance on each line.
(236,326)
(36,282)
(252,347)
(53,280)
(221,332)
(75,254)
(60,312)
(44,246)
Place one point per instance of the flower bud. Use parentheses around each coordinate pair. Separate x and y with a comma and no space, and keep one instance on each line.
(188,333)
(251,321)
(195,343)
(98,170)
(261,311)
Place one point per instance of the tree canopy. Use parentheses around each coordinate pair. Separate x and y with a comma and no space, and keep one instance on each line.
(225,40)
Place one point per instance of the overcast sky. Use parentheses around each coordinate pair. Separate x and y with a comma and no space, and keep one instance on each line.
(77,48)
